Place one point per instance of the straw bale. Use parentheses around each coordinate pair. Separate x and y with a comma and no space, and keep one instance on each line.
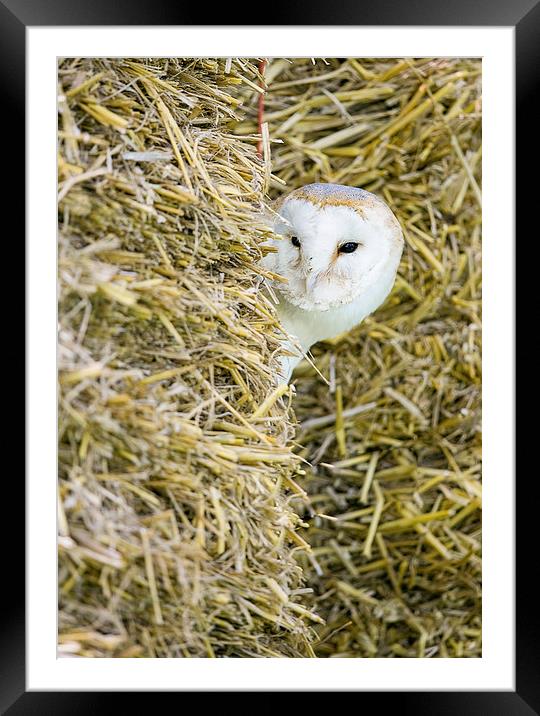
(202,512)
(392,430)
(177,536)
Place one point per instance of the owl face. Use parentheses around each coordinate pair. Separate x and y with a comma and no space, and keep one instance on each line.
(334,243)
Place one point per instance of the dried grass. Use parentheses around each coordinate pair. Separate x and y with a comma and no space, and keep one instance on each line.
(393,437)
(177,537)
(184,526)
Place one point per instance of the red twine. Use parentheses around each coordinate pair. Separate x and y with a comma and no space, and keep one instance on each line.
(262,67)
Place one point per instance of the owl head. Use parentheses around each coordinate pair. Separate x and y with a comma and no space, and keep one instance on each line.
(332,244)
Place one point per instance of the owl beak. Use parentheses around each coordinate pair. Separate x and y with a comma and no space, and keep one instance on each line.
(311,280)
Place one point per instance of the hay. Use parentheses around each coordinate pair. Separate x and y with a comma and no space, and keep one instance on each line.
(184,529)
(177,537)
(394,438)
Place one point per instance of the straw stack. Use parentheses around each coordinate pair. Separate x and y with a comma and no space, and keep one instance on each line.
(393,434)
(185,527)
(177,536)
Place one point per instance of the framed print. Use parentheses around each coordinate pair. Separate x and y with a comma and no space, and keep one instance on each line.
(270,280)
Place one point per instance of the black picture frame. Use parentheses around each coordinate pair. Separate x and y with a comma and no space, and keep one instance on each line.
(524,17)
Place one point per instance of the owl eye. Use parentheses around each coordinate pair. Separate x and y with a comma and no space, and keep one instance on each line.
(348,248)
(295,241)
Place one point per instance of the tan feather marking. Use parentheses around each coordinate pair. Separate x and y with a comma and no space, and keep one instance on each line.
(334,200)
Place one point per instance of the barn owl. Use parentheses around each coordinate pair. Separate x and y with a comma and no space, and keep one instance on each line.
(338,248)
